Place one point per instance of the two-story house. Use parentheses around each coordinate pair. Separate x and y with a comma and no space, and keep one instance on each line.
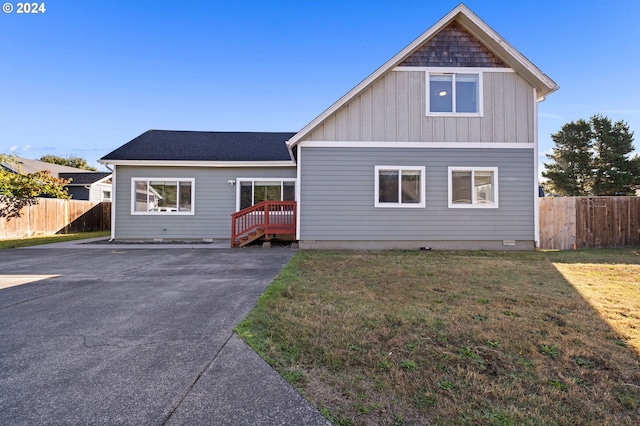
(437,148)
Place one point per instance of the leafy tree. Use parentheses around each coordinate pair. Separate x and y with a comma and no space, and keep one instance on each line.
(70,161)
(570,173)
(19,190)
(592,158)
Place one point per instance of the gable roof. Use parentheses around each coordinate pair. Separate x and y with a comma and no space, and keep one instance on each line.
(170,146)
(470,23)
(26,165)
(81,179)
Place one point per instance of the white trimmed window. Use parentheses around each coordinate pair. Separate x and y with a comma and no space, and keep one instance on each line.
(169,196)
(454,94)
(254,191)
(473,187)
(399,186)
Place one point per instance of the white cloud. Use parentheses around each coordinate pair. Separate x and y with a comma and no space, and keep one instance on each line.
(13,148)
(26,147)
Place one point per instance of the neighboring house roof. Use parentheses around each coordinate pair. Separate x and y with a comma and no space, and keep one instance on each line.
(502,53)
(160,146)
(25,165)
(82,179)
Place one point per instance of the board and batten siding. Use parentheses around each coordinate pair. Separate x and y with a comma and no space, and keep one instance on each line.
(215,201)
(394,109)
(337,196)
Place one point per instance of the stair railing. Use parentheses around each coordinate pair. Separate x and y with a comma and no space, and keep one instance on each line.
(273,217)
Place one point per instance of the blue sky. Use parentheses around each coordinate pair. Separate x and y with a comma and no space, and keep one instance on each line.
(85,77)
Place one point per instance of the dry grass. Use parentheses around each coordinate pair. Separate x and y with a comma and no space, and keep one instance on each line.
(457,338)
(613,290)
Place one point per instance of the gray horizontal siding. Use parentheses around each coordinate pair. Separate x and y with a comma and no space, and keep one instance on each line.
(394,109)
(215,201)
(337,196)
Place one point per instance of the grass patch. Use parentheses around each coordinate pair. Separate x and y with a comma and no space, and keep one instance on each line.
(26,242)
(400,337)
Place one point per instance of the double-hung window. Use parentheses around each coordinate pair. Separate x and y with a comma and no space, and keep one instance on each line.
(454,93)
(399,186)
(475,187)
(162,196)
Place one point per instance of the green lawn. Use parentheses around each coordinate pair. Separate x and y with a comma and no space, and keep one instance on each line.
(26,242)
(468,338)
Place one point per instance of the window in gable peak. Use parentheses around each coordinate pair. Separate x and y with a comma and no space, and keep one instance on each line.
(454,94)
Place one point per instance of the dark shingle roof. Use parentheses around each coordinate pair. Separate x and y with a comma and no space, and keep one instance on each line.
(174,145)
(84,178)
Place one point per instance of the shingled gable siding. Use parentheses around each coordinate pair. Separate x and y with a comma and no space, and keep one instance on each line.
(215,201)
(453,47)
(393,109)
(337,200)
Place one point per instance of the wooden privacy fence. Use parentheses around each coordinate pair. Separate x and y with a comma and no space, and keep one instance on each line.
(54,216)
(589,222)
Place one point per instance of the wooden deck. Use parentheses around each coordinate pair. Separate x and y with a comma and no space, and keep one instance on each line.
(266,220)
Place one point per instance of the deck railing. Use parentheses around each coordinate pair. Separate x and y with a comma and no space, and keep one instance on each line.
(272,217)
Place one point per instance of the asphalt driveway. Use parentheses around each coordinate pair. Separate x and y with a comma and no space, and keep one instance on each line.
(138,336)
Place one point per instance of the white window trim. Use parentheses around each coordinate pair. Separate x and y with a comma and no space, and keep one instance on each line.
(178,213)
(400,204)
(271,179)
(448,71)
(474,204)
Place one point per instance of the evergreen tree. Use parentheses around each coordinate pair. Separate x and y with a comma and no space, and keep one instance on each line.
(570,173)
(615,173)
(592,158)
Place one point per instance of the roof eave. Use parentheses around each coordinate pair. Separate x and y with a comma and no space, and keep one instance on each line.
(521,65)
(187,163)
(507,53)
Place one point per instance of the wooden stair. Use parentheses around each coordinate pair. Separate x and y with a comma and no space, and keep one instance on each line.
(267,219)
(249,238)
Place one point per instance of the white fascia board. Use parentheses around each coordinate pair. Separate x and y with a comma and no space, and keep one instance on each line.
(390,64)
(290,149)
(458,145)
(446,70)
(171,163)
(475,26)
(500,47)
(103,180)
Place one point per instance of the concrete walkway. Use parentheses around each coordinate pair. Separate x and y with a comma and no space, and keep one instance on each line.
(140,335)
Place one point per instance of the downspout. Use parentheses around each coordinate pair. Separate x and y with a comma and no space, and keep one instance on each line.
(113,201)
(297,161)
(536,210)
(536,197)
